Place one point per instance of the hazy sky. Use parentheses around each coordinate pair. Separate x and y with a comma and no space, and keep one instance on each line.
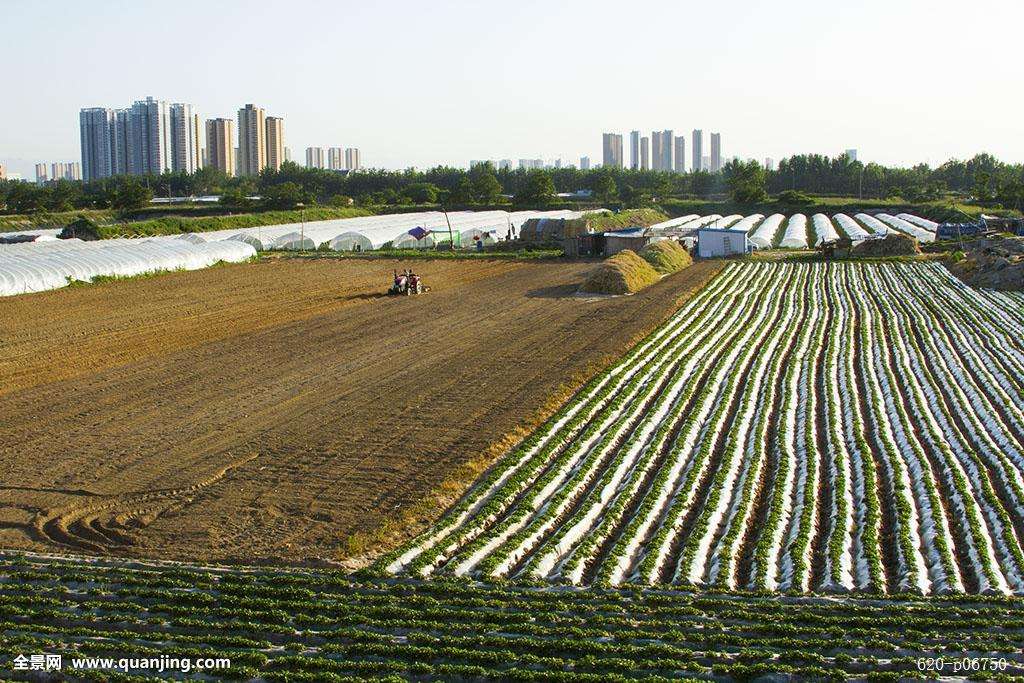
(420,83)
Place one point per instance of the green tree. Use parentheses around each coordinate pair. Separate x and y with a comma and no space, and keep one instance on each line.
(422,193)
(131,195)
(462,193)
(603,185)
(746,181)
(284,196)
(537,190)
(486,188)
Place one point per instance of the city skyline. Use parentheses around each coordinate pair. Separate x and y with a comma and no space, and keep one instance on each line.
(469,113)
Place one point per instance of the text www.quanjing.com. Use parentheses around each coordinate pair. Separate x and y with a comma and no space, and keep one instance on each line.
(157,664)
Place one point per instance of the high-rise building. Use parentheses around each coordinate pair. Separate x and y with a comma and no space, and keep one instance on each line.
(353,162)
(119,141)
(612,150)
(58,171)
(634,150)
(149,137)
(3,172)
(42,175)
(769,164)
(186,139)
(505,164)
(287,153)
(705,162)
(852,153)
(275,142)
(252,140)
(220,145)
(97,137)
(336,158)
(680,154)
(716,152)
(645,153)
(697,150)
(666,150)
(75,170)
(314,157)
(584,163)
(656,155)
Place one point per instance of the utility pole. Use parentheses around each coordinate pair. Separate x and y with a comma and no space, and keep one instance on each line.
(451,237)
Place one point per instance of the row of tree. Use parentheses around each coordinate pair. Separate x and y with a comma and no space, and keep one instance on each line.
(983,179)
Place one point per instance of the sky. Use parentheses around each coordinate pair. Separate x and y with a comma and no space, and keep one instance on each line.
(414,83)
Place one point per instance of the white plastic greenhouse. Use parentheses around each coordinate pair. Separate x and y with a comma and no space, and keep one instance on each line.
(407,241)
(930,226)
(470,237)
(908,228)
(824,231)
(39,266)
(873,224)
(747,223)
(192,237)
(796,233)
(851,227)
(350,241)
(764,236)
(294,241)
(672,223)
(248,239)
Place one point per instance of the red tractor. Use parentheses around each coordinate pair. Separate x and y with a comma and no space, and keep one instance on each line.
(407,282)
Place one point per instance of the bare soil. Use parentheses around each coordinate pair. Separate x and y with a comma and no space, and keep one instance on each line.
(286,411)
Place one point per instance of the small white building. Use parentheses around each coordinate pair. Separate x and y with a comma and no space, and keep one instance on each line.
(719,242)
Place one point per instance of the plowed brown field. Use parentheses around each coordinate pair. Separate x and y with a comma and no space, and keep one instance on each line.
(285,411)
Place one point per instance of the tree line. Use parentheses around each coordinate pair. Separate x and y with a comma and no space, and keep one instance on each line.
(983,179)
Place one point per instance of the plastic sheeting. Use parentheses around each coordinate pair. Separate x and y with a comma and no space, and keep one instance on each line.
(36,267)
(824,231)
(930,226)
(672,223)
(747,223)
(908,228)
(851,227)
(350,241)
(764,236)
(407,241)
(795,236)
(294,241)
(873,224)
(248,239)
(192,237)
(470,237)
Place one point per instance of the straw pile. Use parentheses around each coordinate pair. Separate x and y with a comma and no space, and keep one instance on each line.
(666,256)
(623,273)
(893,244)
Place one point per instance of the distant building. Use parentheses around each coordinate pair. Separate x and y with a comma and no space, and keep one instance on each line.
(61,170)
(42,175)
(275,142)
(584,163)
(478,162)
(352,160)
(336,158)
(148,137)
(287,153)
(769,164)
(680,154)
(220,145)
(645,153)
(852,153)
(530,164)
(505,164)
(656,155)
(3,172)
(186,139)
(314,157)
(666,150)
(612,150)
(716,152)
(697,150)
(252,140)
(705,163)
(634,150)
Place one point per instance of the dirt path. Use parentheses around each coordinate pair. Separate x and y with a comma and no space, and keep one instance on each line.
(271,411)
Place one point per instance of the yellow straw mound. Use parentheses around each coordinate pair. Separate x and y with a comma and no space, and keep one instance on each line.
(624,273)
(666,256)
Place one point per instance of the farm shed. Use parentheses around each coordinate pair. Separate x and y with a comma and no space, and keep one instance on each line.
(630,238)
(552,229)
(718,242)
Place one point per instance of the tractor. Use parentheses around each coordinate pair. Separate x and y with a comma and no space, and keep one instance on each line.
(407,283)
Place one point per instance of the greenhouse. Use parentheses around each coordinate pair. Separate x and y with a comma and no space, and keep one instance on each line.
(294,241)
(930,226)
(851,227)
(248,239)
(874,225)
(407,241)
(764,236)
(40,266)
(824,231)
(470,237)
(908,228)
(796,233)
(192,237)
(350,241)
(747,224)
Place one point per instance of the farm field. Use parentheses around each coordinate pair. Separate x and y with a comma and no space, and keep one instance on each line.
(288,410)
(327,626)
(794,427)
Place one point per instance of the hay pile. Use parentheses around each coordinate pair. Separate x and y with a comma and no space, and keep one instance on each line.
(893,244)
(666,256)
(623,273)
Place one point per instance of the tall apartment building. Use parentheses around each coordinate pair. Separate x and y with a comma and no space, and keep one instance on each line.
(252,140)
(287,153)
(634,150)
(275,142)
(149,137)
(584,163)
(314,157)
(697,150)
(96,125)
(186,139)
(75,170)
(769,164)
(352,160)
(645,153)
(611,150)
(58,170)
(680,154)
(705,163)
(336,159)
(220,145)
(666,150)
(852,154)
(42,175)
(656,150)
(716,152)
(506,164)
(3,172)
